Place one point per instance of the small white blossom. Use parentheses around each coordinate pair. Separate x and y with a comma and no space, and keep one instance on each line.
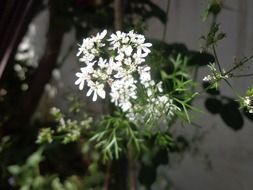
(248,102)
(82,77)
(127,50)
(97,90)
(207,78)
(100,36)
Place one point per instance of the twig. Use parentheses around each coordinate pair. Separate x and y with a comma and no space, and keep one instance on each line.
(235,91)
(216,59)
(166,23)
(243,75)
(131,170)
(107,177)
(118,14)
(239,65)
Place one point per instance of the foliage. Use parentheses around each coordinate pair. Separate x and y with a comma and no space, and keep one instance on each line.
(79,150)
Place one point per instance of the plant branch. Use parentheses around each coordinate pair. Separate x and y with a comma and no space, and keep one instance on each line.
(243,75)
(166,23)
(235,91)
(107,177)
(239,65)
(216,59)
(118,14)
(131,169)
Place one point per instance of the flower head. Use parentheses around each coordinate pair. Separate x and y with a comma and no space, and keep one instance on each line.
(97,90)
(122,71)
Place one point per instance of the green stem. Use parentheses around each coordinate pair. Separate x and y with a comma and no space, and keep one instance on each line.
(235,91)
(244,75)
(131,169)
(216,59)
(165,25)
(239,65)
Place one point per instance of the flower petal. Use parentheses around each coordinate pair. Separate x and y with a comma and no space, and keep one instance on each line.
(94,96)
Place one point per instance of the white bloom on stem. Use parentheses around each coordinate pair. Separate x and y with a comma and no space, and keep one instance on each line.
(87,57)
(115,37)
(149,92)
(127,50)
(125,106)
(145,77)
(83,76)
(86,45)
(159,86)
(207,78)
(119,57)
(115,97)
(143,49)
(100,36)
(248,102)
(97,90)
(133,36)
(123,71)
(102,63)
(138,59)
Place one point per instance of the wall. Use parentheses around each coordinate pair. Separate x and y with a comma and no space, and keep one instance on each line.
(223,157)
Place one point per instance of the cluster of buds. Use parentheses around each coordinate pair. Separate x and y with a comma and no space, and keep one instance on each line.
(66,131)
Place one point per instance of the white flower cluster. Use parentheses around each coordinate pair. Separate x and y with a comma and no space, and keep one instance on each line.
(215,74)
(123,71)
(248,103)
(155,108)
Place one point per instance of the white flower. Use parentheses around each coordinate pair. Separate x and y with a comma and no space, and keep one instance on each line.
(115,97)
(125,39)
(123,70)
(102,63)
(248,103)
(83,76)
(143,49)
(127,50)
(119,57)
(100,36)
(125,106)
(96,89)
(86,45)
(138,59)
(115,37)
(145,76)
(247,100)
(207,78)
(140,39)
(149,92)
(159,86)
(87,57)
(133,36)
(112,65)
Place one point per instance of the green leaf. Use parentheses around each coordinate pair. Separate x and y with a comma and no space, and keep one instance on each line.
(14,169)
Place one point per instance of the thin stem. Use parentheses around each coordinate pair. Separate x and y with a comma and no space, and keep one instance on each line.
(216,59)
(118,14)
(107,177)
(131,169)
(166,23)
(235,91)
(244,75)
(239,64)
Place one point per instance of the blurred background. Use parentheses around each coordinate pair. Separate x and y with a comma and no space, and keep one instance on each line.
(37,71)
